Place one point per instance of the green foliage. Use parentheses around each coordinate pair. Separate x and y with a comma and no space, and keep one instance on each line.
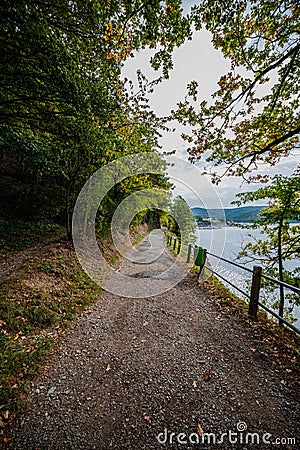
(279,222)
(182,221)
(65,112)
(254,115)
(15,235)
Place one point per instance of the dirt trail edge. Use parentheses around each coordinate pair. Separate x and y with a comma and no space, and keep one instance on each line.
(14,263)
(159,372)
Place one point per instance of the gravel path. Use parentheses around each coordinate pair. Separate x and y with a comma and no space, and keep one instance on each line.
(131,371)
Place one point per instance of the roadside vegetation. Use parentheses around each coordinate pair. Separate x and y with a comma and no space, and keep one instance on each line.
(36,306)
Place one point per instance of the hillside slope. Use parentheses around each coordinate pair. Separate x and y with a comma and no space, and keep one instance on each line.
(242,214)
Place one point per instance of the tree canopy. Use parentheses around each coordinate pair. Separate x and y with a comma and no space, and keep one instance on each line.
(64,109)
(181,220)
(253,117)
(280,241)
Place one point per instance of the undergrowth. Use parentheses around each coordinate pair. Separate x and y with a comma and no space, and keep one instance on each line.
(16,235)
(35,307)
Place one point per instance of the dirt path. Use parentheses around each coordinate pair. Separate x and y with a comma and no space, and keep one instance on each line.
(133,371)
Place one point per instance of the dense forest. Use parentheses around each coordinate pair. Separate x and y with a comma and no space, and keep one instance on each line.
(242,214)
(65,112)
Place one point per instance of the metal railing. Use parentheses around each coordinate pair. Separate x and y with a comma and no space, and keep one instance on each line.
(257,275)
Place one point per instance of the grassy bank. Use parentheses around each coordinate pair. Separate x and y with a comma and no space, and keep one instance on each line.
(284,343)
(17,235)
(37,305)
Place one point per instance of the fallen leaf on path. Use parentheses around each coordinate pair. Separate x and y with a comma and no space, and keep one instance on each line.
(207,374)
(108,367)
(201,361)
(283,382)
(6,440)
(253,349)
(288,370)
(137,349)
(148,418)
(200,431)
(194,384)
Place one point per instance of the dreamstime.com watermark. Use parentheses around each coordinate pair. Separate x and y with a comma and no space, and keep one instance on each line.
(235,437)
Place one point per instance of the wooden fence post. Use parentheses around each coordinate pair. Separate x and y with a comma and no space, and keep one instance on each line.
(179,247)
(254,295)
(188,258)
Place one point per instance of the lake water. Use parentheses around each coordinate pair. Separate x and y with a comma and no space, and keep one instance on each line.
(228,242)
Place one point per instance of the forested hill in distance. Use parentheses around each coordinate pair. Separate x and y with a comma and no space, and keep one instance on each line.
(241,214)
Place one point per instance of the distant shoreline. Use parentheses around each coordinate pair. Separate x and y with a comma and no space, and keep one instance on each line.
(230,216)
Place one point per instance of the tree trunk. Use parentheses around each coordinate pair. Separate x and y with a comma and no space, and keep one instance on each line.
(280,270)
(69,212)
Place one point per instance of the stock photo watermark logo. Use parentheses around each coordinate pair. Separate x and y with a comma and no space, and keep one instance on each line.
(183,174)
(239,436)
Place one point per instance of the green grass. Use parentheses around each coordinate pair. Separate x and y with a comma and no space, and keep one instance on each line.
(34,308)
(16,235)
(19,362)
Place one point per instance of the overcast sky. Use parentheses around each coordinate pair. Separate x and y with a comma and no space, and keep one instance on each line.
(194,60)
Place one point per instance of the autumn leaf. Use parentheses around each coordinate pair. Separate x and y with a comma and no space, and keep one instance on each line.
(200,431)
(207,374)
(108,367)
